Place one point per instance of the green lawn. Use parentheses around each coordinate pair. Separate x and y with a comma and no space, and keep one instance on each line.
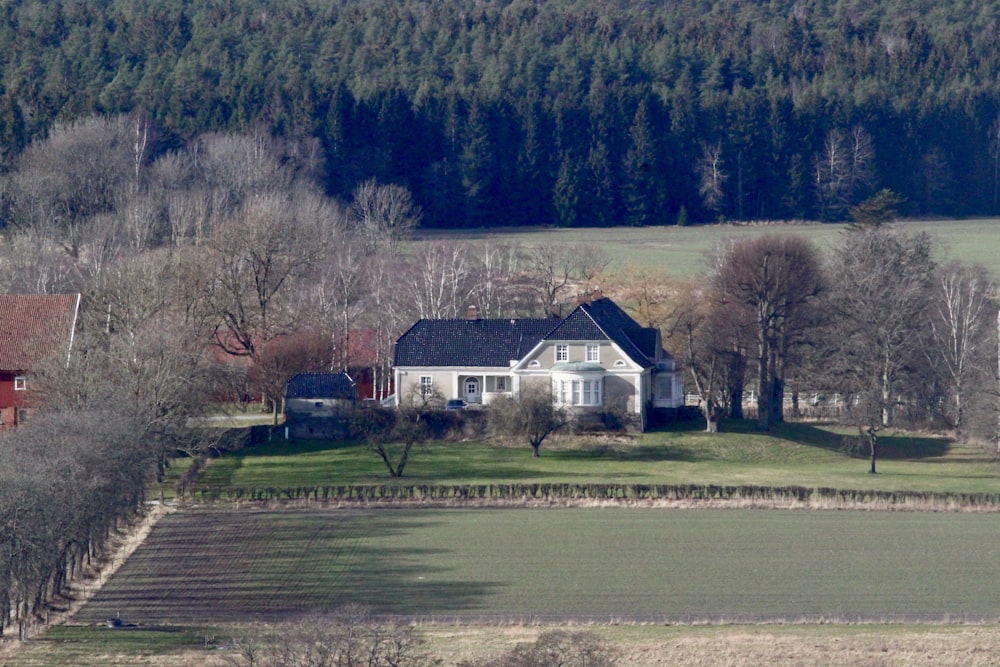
(798,455)
(681,251)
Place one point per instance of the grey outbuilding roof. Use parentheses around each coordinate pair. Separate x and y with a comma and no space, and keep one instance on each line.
(321,385)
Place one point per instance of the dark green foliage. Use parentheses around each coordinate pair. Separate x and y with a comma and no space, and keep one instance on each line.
(877,209)
(568,113)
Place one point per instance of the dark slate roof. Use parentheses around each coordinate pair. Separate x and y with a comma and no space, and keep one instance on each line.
(603,319)
(469,343)
(321,385)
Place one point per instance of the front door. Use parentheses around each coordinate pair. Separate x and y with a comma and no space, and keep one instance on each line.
(471,390)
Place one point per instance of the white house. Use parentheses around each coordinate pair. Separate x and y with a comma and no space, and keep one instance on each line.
(595,359)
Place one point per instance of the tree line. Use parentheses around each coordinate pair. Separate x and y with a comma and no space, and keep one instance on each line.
(901,340)
(563,112)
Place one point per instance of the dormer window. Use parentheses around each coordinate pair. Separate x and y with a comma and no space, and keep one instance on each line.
(562,353)
(20,383)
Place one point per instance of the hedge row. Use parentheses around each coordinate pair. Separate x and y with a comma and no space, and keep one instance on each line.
(555,492)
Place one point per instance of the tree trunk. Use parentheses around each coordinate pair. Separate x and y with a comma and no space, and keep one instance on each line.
(873,449)
(737,371)
(534,449)
(764,394)
(736,403)
(777,402)
(713,414)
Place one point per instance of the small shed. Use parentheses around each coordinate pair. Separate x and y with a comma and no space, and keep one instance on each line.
(320,394)
(317,405)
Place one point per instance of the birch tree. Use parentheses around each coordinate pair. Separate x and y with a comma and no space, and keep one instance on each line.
(961,326)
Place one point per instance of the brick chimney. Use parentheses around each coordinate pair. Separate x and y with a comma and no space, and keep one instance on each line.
(583,298)
(473,313)
(597,294)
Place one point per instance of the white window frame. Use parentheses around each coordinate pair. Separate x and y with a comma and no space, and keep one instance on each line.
(666,387)
(593,352)
(562,353)
(501,383)
(426,385)
(579,391)
(20,383)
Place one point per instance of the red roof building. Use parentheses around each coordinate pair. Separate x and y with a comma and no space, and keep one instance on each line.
(33,327)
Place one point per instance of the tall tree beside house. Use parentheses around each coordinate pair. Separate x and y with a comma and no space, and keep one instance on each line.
(702,333)
(873,345)
(256,260)
(777,281)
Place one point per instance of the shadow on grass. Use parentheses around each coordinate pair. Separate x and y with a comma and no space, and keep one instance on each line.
(211,565)
(291,447)
(895,446)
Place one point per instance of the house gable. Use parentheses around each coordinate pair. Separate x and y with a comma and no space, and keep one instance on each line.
(543,356)
(603,319)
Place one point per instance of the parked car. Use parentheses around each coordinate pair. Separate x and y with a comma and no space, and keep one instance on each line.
(455,404)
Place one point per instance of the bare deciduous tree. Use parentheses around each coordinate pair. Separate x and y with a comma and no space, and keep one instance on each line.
(556,648)
(646,293)
(255,261)
(383,215)
(712,177)
(441,275)
(873,347)
(83,168)
(778,281)
(961,326)
(532,414)
(692,335)
(494,282)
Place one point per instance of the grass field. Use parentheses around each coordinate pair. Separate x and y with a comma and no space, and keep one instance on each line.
(798,454)
(219,565)
(680,251)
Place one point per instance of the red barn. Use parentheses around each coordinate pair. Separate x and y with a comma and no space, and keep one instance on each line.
(33,327)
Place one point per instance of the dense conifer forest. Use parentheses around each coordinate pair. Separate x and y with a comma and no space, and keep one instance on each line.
(554,112)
